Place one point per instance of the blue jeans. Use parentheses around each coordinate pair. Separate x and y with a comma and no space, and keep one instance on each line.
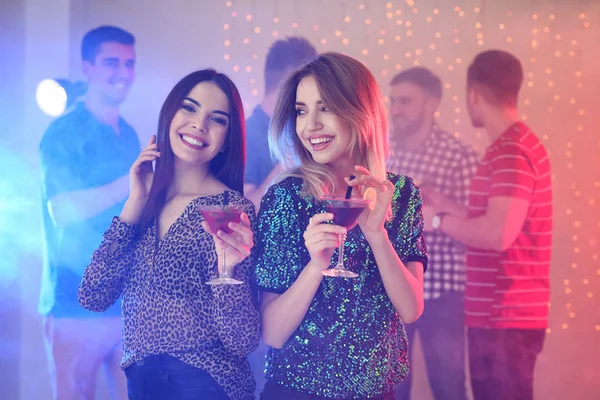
(164,377)
(442,333)
(257,361)
(502,362)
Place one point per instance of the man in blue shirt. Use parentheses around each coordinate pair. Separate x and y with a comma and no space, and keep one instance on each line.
(284,56)
(85,160)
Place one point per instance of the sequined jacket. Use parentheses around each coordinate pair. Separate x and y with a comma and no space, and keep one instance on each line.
(351,343)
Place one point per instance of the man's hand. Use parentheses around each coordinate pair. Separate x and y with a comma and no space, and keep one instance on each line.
(428,213)
(440,203)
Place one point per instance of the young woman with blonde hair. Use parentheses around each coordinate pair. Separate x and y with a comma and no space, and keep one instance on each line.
(336,338)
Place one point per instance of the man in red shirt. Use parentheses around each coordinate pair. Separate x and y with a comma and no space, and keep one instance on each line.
(507,228)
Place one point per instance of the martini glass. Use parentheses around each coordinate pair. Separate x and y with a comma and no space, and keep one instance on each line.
(218,218)
(345,213)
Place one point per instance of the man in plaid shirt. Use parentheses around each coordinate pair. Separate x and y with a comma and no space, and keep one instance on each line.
(439,163)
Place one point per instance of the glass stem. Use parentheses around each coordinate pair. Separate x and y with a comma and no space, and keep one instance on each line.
(340,263)
(224,272)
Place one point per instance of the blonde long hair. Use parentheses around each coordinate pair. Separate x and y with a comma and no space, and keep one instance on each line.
(351,92)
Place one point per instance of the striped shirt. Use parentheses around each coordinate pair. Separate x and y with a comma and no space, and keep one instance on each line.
(511,289)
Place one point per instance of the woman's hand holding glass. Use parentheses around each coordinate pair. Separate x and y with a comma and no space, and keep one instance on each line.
(233,247)
(322,239)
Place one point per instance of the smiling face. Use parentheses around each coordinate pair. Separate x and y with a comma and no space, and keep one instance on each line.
(324,134)
(411,108)
(112,73)
(199,128)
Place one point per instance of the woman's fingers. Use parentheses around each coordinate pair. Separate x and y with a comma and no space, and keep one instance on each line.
(365,179)
(314,229)
(315,224)
(362,170)
(229,242)
(245,219)
(327,244)
(207,228)
(322,237)
(147,152)
(143,159)
(243,226)
(151,155)
(318,219)
(240,240)
(152,140)
(152,146)
(369,180)
(319,236)
(240,235)
(236,245)
(242,232)
(150,151)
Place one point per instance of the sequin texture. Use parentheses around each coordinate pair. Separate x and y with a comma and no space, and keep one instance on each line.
(351,343)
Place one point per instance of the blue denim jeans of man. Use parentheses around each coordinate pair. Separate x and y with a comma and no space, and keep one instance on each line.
(442,334)
(502,362)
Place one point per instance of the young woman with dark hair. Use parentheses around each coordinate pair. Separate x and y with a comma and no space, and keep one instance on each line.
(183,339)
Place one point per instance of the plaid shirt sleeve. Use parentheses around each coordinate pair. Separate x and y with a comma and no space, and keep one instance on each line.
(465,172)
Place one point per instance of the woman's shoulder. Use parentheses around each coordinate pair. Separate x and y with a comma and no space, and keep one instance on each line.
(286,197)
(406,193)
(291,185)
(236,198)
(401,181)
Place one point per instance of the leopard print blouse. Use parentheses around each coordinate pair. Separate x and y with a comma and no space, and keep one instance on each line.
(167,307)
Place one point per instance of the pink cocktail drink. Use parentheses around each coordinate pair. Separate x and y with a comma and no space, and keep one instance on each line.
(345,213)
(218,218)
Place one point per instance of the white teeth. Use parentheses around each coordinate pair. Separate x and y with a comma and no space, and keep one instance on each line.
(193,141)
(321,140)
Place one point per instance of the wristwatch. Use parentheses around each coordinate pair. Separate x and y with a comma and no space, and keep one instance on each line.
(436,221)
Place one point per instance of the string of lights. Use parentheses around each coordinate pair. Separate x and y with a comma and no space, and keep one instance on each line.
(551,39)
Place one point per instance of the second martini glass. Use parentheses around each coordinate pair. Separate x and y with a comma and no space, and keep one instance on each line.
(345,213)
(218,218)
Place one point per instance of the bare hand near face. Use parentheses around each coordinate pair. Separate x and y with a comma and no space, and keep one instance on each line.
(141,173)
(432,197)
(373,218)
(428,213)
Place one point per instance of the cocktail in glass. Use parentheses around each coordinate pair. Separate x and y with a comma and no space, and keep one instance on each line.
(218,218)
(345,213)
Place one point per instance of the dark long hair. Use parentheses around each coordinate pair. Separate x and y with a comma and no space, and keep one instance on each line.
(227,166)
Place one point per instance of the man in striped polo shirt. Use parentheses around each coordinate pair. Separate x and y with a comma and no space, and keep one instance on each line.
(508,232)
